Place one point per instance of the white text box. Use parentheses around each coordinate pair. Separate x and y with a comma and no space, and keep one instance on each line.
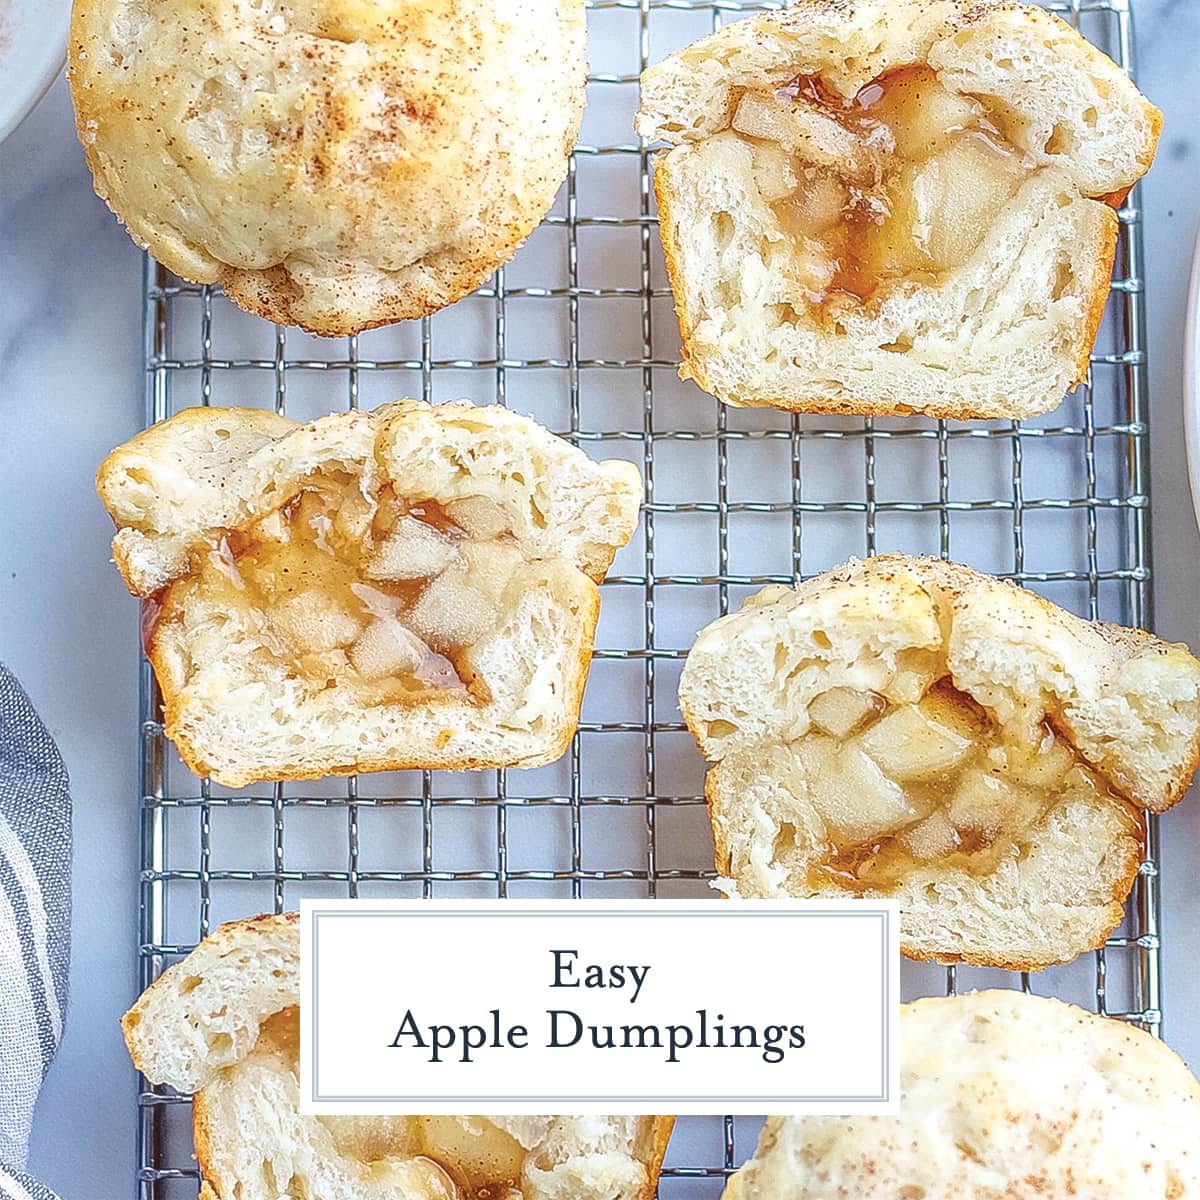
(510,1007)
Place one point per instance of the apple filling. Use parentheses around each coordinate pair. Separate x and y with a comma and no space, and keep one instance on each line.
(468,1158)
(383,595)
(898,183)
(898,786)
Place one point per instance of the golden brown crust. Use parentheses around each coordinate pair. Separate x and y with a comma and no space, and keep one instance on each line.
(1096,297)
(272,295)
(679,291)
(659,1139)
(721,852)
(202,1141)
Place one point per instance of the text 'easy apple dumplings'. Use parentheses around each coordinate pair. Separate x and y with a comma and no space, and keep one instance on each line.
(910,728)
(225,1024)
(891,206)
(414,586)
(332,164)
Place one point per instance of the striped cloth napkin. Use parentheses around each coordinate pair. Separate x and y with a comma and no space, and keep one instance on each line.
(35,923)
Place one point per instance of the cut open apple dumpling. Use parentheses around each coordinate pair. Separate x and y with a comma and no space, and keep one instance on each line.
(415,586)
(893,206)
(904,727)
(224,1024)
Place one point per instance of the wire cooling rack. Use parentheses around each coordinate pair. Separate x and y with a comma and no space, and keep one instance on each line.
(579,331)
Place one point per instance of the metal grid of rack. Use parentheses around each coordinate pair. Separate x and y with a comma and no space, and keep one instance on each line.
(579,331)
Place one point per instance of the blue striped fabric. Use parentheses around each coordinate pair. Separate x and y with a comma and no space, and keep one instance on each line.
(35,923)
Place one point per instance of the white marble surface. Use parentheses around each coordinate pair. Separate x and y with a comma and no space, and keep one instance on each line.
(71,388)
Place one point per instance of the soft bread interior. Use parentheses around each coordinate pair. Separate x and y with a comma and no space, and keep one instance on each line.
(892,211)
(224,1024)
(413,586)
(206,1012)
(436,1158)
(910,728)
(1001,1095)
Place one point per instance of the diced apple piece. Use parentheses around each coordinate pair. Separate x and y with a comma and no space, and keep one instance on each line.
(931,838)
(376,602)
(908,745)
(353,514)
(857,801)
(221,559)
(924,115)
(303,507)
(911,680)
(986,804)
(490,566)
(389,650)
(479,516)
(312,622)
(802,128)
(815,206)
(1047,766)
(943,704)
(841,710)
(774,173)
(328,663)
(412,550)
(451,613)
(386,648)
(880,233)
(959,195)
(768,118)
(308,516)
(478,1148)
(811,265)
(274,527)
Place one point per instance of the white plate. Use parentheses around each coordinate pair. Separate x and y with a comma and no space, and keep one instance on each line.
(33,47)
(1191,377)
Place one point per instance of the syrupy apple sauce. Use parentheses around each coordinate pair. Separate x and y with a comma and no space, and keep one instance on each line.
(898,787)
(898,183)
(383,595)
(479,1162)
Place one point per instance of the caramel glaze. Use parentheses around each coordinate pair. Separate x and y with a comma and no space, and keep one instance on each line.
(316,544)
(872,242)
